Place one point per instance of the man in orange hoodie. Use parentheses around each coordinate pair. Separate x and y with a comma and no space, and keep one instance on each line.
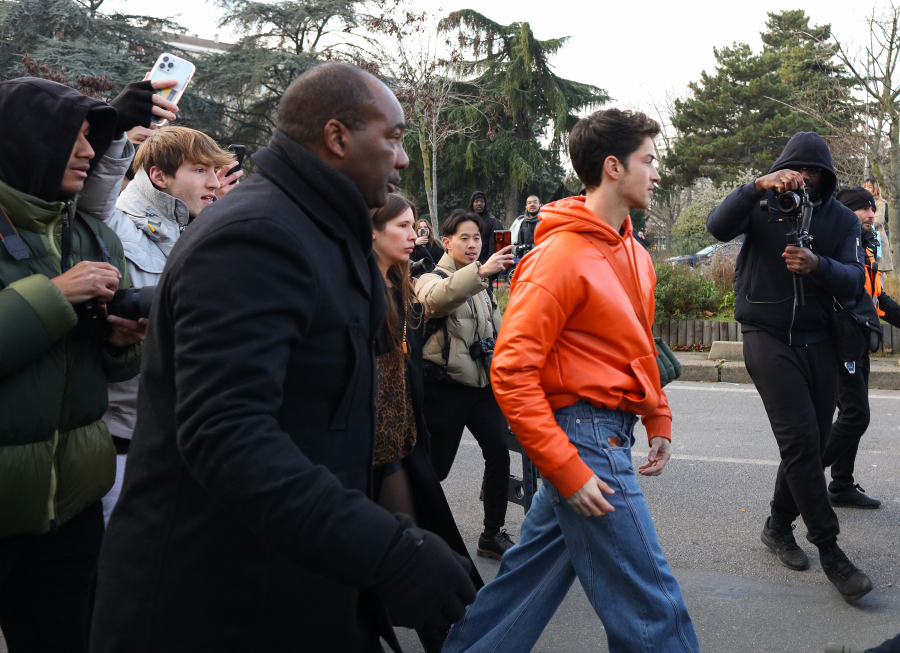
(575,364)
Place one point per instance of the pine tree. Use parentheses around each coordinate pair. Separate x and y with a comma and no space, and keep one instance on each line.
(742,116)
(527,102)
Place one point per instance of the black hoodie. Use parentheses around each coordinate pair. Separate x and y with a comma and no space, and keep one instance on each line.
(489,225)
(764,292)
(41,121)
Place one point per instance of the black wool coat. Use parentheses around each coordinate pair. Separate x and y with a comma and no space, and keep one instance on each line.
(245,521)
(432,510)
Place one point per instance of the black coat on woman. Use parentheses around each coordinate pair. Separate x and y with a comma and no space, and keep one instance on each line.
(432,250)
(432,510)
(246,522)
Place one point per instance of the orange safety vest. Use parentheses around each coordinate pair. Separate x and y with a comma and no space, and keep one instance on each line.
(873,282)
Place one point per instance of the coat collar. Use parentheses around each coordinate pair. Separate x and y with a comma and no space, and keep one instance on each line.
(27,211)
(327,197)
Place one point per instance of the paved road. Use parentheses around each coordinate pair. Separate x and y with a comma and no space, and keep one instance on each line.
(709,507)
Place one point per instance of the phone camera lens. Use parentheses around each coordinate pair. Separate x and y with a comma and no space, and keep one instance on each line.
(163,66)
(165,58)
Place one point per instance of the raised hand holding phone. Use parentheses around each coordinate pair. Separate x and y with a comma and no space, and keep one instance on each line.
(169,68)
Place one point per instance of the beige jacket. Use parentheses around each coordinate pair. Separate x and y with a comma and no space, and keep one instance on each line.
(886,261)
(464,297)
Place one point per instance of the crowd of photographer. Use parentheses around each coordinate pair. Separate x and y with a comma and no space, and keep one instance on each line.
(314,354)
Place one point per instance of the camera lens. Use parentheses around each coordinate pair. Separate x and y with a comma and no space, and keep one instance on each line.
(170,64)
(165,58)
(162,66)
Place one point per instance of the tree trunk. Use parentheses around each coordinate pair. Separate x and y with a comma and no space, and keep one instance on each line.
(512,205)
(430,181)
(894,186)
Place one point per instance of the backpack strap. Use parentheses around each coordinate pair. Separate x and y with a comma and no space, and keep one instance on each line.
(434,324)
(14,243)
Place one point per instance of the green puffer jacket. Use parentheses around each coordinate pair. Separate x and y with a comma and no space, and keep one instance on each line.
(56,456)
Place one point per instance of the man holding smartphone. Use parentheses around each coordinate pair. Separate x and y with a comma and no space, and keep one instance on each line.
(178,172)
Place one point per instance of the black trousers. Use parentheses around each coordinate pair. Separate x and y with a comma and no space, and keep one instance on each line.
(46,586)
(450,408)
(798,386)
(890,646)
(851,424)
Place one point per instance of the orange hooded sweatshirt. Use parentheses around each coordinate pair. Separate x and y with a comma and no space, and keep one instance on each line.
(570,332)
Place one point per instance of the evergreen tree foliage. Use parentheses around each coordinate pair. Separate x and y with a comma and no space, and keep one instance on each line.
(742,116)
(527,102)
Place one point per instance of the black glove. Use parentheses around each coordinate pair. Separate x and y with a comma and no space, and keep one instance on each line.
(134,106)
(423,583)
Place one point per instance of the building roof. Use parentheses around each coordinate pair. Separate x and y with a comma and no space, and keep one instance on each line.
(192,43)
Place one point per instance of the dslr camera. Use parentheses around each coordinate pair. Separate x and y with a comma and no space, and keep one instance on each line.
(420,267)
(521,250)
(129,303)
(483,349)
(788,206)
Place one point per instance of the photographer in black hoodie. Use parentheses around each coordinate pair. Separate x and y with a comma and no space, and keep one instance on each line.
(788,348)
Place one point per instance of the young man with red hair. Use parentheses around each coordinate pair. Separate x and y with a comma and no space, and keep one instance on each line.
(575,364)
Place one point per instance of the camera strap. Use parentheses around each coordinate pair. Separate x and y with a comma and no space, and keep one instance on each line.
(14,243)
(97,236)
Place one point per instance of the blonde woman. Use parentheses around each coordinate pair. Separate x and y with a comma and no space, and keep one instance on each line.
(886,260)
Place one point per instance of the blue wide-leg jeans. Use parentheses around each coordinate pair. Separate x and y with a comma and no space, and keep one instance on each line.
(617,558)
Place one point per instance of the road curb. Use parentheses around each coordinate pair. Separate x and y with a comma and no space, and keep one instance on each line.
(736,372)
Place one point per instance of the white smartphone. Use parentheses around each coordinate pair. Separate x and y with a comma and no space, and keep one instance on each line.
(168,66)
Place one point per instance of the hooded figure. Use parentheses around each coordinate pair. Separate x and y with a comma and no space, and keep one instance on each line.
(56,456)
(788,348)
(764,290)
(489,223)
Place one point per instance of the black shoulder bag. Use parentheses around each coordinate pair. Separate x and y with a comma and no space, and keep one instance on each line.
(855,327)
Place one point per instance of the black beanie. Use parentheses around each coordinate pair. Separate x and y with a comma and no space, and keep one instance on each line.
(856,198)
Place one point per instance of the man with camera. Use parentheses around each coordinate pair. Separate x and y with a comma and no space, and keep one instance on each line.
(246,521)
(178,172)
(853,380)
(64,157)
(463,319)
(783,300)
(523,227)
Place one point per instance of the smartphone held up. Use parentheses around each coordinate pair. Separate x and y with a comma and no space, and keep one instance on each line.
(168,66)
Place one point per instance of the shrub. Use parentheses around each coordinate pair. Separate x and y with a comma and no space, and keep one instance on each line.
(682,292)
(692,220)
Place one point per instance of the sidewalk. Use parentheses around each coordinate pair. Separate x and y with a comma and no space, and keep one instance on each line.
(696,366)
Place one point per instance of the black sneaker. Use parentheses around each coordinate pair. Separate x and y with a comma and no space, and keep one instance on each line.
(853,497)
(782,542)
(849,581)
(496,546)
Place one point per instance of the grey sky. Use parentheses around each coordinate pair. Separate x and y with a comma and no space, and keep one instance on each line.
(637,51)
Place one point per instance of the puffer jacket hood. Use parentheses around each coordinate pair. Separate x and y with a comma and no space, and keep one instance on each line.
(476,194)
(41,121)
(572,331)
(809,149)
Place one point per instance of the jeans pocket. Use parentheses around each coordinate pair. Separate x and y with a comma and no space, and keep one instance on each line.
(613,439)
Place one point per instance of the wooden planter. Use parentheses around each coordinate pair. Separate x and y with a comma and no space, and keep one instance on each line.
(686,333)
